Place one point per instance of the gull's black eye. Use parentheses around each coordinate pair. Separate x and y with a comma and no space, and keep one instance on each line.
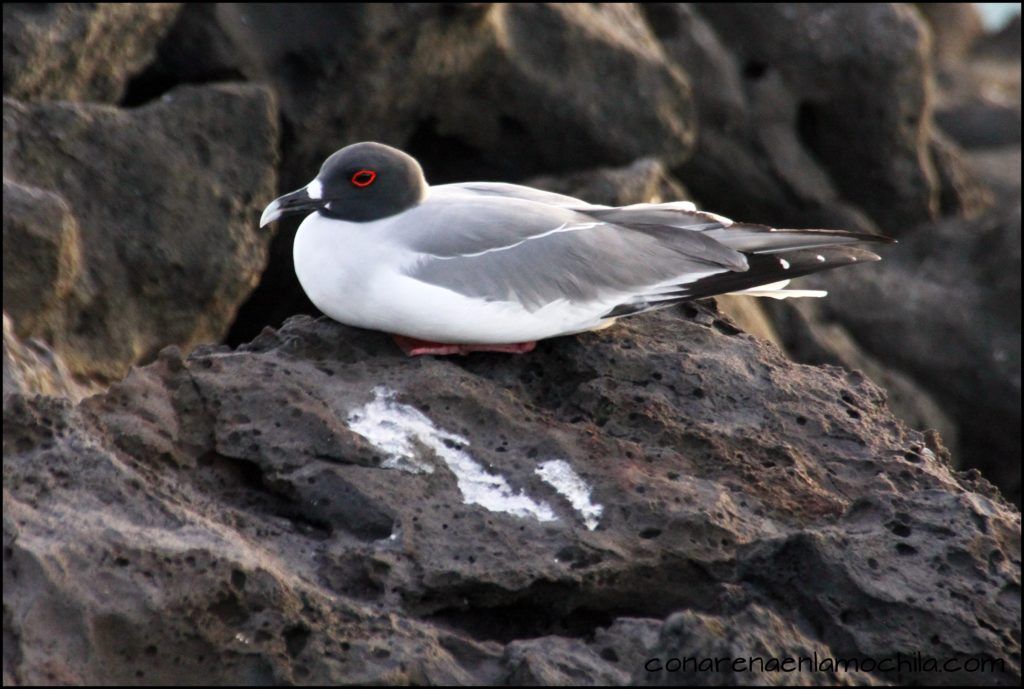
(364,178)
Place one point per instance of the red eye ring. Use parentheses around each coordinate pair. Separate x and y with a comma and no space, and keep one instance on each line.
(363,178)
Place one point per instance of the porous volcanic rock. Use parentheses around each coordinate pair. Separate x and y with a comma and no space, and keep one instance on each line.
(957,331)
(808,111)
(978,99)
(42,255)
(643,181)
(79,51)
(126,230)
(32,368)
(942,311)
(315,507)
(504,89)
(955,27)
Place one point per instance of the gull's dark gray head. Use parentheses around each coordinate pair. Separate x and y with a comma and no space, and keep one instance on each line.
(360,183)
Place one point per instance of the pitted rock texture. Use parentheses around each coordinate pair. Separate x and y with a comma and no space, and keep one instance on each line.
(127,230)
(958,333)
(80,52)
(217,519)
(32,368)
(505,89)
(830,123)
(42,255)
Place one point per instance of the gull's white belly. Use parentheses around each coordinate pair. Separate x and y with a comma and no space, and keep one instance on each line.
(354,273)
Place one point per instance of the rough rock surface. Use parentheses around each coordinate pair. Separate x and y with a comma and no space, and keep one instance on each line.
(220,519)
(941,314)
(644,181)
(32,368)
(42,255)
(140,227)
(959,332)
(955,27)
(978,99)
(87,51)
(507,90)
(833,118)
(313,507)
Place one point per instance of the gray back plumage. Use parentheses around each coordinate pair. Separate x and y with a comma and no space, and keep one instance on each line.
(500,242)
(509,248)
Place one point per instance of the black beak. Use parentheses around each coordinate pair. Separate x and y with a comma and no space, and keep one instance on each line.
(296,202)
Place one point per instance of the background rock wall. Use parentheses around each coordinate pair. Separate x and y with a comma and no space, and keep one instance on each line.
(216,517)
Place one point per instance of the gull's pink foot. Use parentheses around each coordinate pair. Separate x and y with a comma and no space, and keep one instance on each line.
(414,347)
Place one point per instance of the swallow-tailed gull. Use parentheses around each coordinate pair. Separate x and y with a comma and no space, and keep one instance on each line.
(487,266)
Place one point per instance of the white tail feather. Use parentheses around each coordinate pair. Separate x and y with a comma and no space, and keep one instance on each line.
(782,293)
(776,290)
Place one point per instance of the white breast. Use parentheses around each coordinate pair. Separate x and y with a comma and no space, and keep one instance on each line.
(355,273)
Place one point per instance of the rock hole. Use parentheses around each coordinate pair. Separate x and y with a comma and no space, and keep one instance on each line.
(754,70)
(295,639)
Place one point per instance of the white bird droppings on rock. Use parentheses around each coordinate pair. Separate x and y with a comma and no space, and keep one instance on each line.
(393,427)
(560,475)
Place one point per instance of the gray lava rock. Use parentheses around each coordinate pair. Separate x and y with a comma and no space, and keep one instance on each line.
(811,338)
(42,255)
(978,99)
(165,199)
(32,368)
(937,323)
(807,108)
(957,331)
(1004,45)
(736,650)
(644,181)
(506,90)
(315,507)
(68,51)
(955,28)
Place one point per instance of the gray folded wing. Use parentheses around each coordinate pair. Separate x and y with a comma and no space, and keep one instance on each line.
(746,237)
(504,248)
(513,191)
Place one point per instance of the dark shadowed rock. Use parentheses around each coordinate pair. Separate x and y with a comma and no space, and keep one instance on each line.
(1003,45)
(692,644)
(165,199)
(32,368)
(806,107)
(644,181)
(315,507)
(42,255)
(955,28)
(978,102)
(68,51)
(809,338)
(507,90)
(982,123)
(956,331)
